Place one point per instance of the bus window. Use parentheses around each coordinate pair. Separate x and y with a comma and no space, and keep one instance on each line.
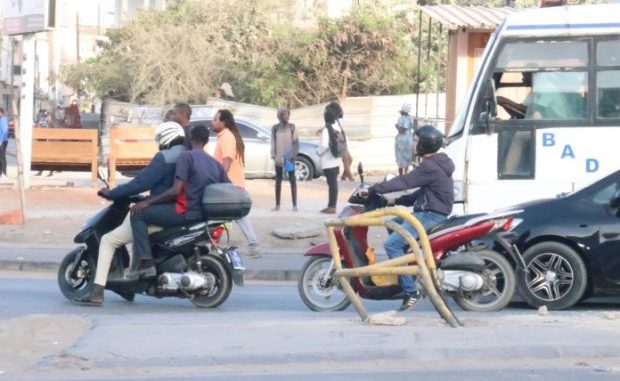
(608,86)
(516,154)
(608,53)
(558,96)
(538,79)
(608,80)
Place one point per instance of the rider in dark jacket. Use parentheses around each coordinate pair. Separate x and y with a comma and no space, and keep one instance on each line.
(433,200)
(157,177)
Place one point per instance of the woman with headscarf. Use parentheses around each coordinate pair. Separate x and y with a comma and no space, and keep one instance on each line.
(403,145)
(284,148)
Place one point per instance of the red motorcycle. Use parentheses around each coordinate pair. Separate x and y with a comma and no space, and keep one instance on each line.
(477,277)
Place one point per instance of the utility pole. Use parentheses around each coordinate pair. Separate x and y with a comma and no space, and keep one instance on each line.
(18,137)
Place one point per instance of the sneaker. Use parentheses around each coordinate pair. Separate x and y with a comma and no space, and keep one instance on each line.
(328,211)
(3,176)
(254,252)
(409,300)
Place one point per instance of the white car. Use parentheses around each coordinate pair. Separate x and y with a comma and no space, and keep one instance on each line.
(258,162)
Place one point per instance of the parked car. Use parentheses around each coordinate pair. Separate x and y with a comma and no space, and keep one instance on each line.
(571,245)
(258,162)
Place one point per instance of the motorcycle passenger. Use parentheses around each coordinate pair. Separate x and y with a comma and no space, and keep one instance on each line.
(432,202)
(180,204)
(157,177)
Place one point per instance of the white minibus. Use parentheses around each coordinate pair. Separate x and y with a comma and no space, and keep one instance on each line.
(542,115)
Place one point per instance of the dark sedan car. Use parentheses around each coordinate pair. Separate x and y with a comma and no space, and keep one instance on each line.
(571,245)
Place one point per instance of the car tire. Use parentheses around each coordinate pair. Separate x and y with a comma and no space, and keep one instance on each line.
(304,170)
(555,276)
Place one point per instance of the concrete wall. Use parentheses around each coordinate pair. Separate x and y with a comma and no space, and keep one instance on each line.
(368,121)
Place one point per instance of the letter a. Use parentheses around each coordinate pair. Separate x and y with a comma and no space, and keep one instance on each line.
(567,151)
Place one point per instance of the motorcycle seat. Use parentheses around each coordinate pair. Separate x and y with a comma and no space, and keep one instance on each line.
(452,222)
(462,261)
(179,229)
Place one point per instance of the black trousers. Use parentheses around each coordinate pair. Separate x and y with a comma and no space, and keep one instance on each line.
(3,157)
(331,175)
(291,179)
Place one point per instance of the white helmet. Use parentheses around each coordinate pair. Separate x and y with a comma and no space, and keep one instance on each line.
(406,108)
(166,132)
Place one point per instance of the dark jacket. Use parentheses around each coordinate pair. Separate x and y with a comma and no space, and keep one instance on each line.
(434,178)
(157,176)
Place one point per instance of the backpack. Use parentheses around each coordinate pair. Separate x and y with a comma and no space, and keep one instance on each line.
(341,141)
(340,145)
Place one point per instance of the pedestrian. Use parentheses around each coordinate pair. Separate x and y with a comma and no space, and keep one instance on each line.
(72,115)
(347,160)
(403,144)
(44,121)
(4,142)
(284,149)
(230,152)
(331,139)
(182,113)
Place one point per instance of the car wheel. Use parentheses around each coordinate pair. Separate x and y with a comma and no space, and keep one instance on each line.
(304,170)
(555,276)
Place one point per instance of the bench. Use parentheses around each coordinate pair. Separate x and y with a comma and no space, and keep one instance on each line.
(131,148)
(59,149)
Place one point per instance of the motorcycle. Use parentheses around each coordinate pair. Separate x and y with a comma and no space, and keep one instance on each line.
(477,277)
(192,261)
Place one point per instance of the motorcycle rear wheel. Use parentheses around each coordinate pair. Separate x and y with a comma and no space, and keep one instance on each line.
(222,288)
(78,284)
(318,293)
(499,288)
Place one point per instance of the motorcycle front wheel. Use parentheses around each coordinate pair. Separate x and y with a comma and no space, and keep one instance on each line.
(76,281)
(222,283)
(500,281)
(318,290)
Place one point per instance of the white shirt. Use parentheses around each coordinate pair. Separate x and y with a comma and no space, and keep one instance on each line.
(327,159)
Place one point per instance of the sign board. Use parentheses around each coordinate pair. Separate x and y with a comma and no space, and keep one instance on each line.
(27,16)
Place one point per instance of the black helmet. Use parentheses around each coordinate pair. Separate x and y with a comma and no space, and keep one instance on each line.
(430,140)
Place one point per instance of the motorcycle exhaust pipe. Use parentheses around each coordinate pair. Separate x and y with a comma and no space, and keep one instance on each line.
(193,281)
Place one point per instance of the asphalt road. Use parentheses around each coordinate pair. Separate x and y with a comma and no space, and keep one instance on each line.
(264,332)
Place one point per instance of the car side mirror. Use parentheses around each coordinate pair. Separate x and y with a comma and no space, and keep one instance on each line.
(262,136)
(489,109)
(615,200)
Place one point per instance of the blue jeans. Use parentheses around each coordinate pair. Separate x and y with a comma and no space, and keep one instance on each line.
(163,215)
(395,244)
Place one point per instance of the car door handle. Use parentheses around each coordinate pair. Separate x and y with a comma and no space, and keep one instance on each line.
(609,236)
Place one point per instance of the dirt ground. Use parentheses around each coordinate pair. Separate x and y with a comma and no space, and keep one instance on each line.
(56,213)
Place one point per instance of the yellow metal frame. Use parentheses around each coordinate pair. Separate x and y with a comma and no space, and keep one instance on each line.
(425,262)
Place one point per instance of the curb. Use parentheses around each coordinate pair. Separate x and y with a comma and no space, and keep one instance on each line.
(52,267)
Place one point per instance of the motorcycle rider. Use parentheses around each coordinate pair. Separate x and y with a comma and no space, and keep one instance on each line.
(157,177)
(432,202)
(180,204)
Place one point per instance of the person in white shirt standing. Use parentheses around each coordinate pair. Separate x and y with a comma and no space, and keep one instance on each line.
(330,151)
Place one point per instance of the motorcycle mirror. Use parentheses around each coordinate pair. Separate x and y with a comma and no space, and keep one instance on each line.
(360,171)
(101,177)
